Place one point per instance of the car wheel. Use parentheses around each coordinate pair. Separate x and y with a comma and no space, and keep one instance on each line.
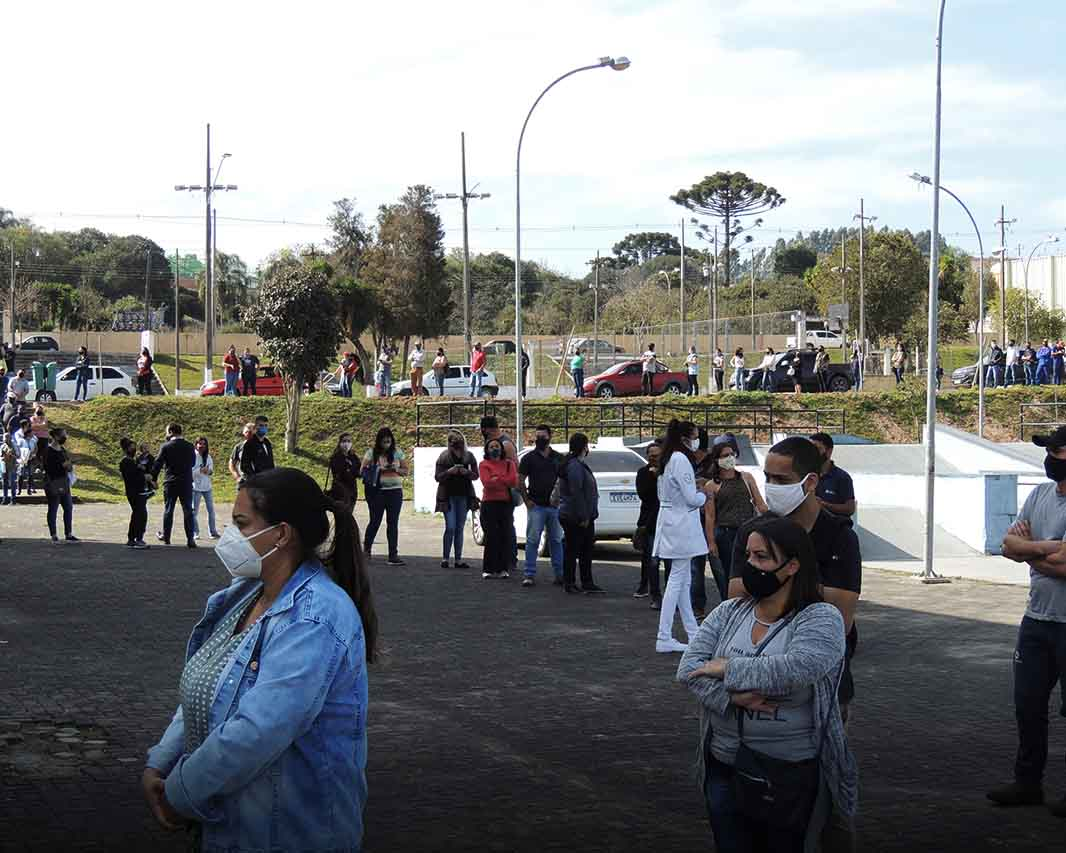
(46,397)
(672,388)
(424,392)
(606,390)
(489,391)
(120,392)
(406,392)
(476,530)
(839,383)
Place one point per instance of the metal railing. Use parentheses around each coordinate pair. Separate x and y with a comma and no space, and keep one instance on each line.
(615,418)
(1043,423)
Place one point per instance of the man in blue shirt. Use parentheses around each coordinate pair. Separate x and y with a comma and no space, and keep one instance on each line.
(1043,363)
(835,491)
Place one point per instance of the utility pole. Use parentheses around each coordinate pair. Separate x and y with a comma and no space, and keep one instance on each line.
(714,296)
(14,342)
(177,324)
(214,266)
(844,280)
(465,197)
(684,348)
(1003,222)
(147,274)
(595,314)
(863,219)
(753,300)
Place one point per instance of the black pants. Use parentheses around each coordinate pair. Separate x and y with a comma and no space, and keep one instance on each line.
(646,387)
(174,493)
(138,517)
(55,501)
(724,539)
(649,568)
(248,384)
(719,378)
(144,385)
(525,370)
(497,521)
(577,551)
(693,385)
(1039,662)
(384,503)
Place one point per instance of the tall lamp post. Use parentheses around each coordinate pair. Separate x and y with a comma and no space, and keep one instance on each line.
(924,179)
(1051,239)
(619,64)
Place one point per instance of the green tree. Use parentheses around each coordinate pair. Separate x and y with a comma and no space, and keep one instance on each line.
(296,319)
(1044,322)
(231,286)
(637,248)
(795,260)
(189,266)
(731,198)
(350,238)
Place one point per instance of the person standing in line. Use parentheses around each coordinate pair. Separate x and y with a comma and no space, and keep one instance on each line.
(267,748)
(1036,538)
(579,507)
(765,670)
(178,457)
(231,365)
(678,535)
(692,371)
(939,371)
(821,369)
(649,365)
(8,469)
(385,360)
(733,498)
(836,491)
(856,366)
(766,367)
(41,428)
(498,476)
(236,457)
(648,492)
(1028,363)
(249,369)
(9,358)
(417,360)
(995,356)
(19,387)
(57,476)
(202,473)
(345,373)
(344,472)
(477,367)
(899,362)
(524,363)
(1011,362)
(577,370)
(144,373)
(440,369)
(1058,354)
(718,365)
(455,473)
(538,472)
(26,446)
(385,465)
(138,491)
(737,363)
(83,372)
(1043,364)
(490,428)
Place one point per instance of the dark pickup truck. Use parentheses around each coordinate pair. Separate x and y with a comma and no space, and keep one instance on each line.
(838,376)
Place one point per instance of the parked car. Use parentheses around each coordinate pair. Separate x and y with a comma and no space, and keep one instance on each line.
(43,343)
(104,381)
(803,362)
(615,469)
(589,346)
(825,338)
(456,383)
(965,376)
(268,383)
(624,380)
(499,347)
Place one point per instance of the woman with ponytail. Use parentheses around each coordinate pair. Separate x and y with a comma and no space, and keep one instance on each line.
(267,749)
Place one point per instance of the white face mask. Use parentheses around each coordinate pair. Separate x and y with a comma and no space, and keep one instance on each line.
(692,444)
(727,463)
(784,499)
(346,446)
(237,554)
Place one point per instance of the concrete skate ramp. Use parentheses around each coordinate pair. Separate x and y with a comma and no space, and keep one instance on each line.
(892,533)
(904,459)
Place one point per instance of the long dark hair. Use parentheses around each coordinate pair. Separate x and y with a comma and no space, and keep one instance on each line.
(291,496)
(710,464)
(338,451)
(674,440)
(579,443)
(207,449)
(788,540)
(379,449)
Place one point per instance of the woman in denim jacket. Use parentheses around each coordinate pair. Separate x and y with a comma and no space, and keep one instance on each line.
(267,750)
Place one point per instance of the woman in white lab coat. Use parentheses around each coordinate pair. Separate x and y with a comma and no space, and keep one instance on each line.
(679,533)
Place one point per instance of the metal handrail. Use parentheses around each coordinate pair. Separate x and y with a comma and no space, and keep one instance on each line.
(1023,423)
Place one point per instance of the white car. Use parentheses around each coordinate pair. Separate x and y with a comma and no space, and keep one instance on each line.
(456,383)
(615,468)
(824,338)
(104,381)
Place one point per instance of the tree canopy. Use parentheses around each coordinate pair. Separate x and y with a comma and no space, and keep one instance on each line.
(643,246)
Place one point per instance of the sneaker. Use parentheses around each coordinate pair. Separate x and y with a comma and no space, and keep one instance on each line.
(191,544)
(159,536)
(140,542)
(656,603)
(640,593)
(1017,794)
(503,575)
(1058,808)
(55,540)
(216,535)
(130,544)
(485,576)
(462,565)
(139,545)
(444,564)
(72,538)
(592,589)
(665,647)
(395,561)
(557,582)
(570,588)
(528,581)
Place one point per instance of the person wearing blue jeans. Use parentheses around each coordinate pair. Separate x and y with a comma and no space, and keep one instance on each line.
(455,473)
(538,473)
(84,371)
(577,370)
(1043,364)
(539,519)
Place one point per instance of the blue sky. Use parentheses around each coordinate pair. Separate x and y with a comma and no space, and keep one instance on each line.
(828,100)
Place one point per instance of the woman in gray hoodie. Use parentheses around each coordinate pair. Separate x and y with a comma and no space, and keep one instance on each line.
(579,507)
(771,663)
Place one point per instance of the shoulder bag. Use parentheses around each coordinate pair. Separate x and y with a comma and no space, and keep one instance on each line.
(771,790)
(371,475)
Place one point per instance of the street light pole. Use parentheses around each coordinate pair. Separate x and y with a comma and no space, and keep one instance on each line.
(147,274)
(928,575)
(177,323)
(714,297)
(684,348)
(596,314)
(1051,239)
(1003,222)
(14,342)
(863,219)
(753,300)
(619,64)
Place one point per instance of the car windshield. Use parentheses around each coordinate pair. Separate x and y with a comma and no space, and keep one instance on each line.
(614,462)
(618,368)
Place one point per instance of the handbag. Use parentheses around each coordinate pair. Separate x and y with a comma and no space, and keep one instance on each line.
(371,475)
(640,539)
(516,498)
(772,790)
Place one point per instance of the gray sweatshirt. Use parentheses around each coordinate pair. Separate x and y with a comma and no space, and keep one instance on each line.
(579,499)
(814,657)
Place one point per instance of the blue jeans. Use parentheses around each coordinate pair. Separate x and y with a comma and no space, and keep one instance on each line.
(579,382)
(1030,373)
(209,500)
(1056,371)
(537,519)
(475,383)
(724,538)
(82,385)
(994,376)
(346,385)
(733,832)
(767,383)
(384,502)
(231,383)
(386,382)
(1043,369)
(11,483)
(455,525)
(856,377)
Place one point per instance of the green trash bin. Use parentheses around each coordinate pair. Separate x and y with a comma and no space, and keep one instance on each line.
(51,372)
(38,377)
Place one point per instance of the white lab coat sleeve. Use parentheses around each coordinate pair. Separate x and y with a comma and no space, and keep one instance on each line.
(680,473)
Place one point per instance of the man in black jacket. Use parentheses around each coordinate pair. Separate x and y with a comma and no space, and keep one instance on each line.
(178,456)
(648,491)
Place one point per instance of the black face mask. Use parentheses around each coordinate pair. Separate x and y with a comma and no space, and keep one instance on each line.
(1055,468)
(760,584)
(457,449)
(542,443)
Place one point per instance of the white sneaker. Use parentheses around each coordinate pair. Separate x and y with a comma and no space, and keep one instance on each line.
(666,647)
(485,576)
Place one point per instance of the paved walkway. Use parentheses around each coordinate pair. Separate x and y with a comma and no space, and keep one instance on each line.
(501,718)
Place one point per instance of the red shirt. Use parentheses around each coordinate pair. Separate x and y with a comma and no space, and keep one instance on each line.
(229,361)
(477,360)
(498,476)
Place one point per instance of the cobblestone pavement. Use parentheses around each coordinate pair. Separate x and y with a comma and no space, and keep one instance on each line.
(501,718)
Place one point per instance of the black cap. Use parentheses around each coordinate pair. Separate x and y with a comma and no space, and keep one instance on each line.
(1055,440)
